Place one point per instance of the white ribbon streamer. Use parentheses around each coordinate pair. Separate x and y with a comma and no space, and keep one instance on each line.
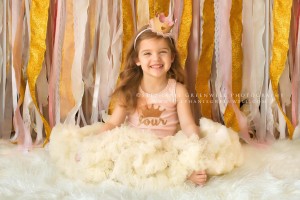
(1,28)
(254,63)
(116,45)
(42,92)
(3,66)
(27,141)
(38,128)
(271,111)
(219,91)
(94,115)
(104,58)
(285,93)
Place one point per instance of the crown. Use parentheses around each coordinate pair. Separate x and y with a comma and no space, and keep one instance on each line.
(152,112)
(161,24)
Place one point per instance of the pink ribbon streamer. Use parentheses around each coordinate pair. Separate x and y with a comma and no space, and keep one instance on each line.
(22,132)
(24,137)
(178,9)
(193,57)
(56,62)
(226,66)
(296,67)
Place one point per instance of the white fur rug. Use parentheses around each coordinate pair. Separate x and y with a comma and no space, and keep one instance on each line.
(269,173)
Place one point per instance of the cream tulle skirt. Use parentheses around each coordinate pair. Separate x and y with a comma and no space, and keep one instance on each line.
(139,159)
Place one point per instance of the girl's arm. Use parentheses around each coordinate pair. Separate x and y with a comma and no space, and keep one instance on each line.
(116,119)
(189,127)
(185,116)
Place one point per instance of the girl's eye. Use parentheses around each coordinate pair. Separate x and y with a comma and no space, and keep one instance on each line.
(162,52)
(147,54)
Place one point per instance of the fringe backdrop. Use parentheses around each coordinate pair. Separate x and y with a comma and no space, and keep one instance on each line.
(60,61)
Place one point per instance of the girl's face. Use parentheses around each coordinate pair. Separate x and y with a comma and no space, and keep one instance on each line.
(154,57)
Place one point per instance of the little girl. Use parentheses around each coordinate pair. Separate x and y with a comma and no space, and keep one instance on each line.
(135,146)
(151,94)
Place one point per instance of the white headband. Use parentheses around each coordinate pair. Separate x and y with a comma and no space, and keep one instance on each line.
(169,35)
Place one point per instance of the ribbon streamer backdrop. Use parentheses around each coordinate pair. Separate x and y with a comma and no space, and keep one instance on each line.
(52,48)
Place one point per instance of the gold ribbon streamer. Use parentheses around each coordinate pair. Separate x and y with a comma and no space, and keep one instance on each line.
(151,9)
(185,31)
(128,28)
(281,23)
(236,28)
(67,101)
(204,65)
(158,6)
(162,6)
(38,29)
(128,32)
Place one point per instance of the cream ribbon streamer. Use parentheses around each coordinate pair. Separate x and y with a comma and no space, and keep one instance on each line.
(116,45)
(253,64)
(67,101)
(80,19)
(142,13)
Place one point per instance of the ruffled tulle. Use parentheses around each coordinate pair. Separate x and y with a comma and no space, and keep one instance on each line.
(138,158)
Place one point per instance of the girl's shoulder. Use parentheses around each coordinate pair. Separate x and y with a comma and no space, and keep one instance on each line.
(181,90)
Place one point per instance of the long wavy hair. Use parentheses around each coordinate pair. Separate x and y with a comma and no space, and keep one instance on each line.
(130,78)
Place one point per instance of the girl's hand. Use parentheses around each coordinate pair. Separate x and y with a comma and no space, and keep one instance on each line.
(198,177)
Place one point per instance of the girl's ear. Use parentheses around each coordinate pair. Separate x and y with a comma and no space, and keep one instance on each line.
(173,58)
(137,62)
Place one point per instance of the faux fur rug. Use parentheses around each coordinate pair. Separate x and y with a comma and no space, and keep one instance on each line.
(268,173)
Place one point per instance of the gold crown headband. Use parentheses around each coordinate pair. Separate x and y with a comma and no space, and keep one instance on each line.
(160,25)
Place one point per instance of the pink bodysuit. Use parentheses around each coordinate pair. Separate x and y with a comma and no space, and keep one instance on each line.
(157,112)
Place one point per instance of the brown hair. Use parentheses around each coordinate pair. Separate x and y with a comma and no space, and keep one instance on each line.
(130,78)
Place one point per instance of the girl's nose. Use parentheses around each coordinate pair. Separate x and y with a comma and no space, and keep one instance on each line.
(156,56)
